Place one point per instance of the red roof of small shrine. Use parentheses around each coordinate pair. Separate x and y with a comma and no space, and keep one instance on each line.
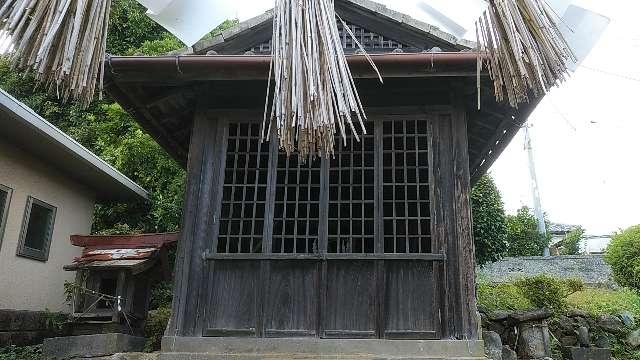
(121,247)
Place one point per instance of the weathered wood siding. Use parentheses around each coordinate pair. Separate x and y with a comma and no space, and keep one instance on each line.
(241,271)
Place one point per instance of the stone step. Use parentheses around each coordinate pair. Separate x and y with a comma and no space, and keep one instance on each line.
(212,348)
(201,356)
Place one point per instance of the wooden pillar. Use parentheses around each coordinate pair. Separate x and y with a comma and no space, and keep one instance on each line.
(198,219)
(120,295)
(451,225)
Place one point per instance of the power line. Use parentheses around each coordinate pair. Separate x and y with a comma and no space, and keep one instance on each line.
(610,73)
(562,115)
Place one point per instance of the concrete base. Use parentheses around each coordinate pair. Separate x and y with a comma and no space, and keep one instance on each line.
(87,346)
(201,348)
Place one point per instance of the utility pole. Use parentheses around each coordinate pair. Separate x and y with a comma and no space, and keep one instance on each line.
(537,206)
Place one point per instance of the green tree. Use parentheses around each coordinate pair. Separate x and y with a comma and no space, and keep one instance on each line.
(130,27)
(168,43)
(623,254)
(489,222)
(571,242)
(523,236)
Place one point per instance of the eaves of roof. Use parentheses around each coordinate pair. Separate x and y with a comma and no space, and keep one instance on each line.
(21,126)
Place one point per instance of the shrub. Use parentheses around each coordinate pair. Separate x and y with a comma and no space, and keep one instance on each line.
(55,320)
(571,242)
(606,302)
(489,222)
(623,254)
(161,295)
(544,291)
(21,353)
(154,328)
(523,236)
(505,296)
(574,285)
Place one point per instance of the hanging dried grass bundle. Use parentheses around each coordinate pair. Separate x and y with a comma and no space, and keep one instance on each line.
(314,90)
(62,41)
(527,54)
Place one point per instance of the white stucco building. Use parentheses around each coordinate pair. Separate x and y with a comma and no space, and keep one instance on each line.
(49,185)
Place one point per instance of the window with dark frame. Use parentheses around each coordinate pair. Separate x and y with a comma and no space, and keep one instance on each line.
(37,229)
(5,199)
(363,185)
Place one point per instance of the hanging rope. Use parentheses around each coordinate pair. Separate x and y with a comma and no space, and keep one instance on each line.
(115,302)
(527,54)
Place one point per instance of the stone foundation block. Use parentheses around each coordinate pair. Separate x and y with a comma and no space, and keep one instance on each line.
(577,353)
(87,346)
(201,348)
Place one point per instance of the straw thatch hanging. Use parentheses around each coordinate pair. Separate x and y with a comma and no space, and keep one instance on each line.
(315,94)
(527,54)
(62,41)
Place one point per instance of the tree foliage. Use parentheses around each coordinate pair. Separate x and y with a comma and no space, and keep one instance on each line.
(130,27)
(571,242)
(523,236)
(623,254)
(489,222)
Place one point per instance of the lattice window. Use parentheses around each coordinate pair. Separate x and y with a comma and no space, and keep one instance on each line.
(352,195)
(244,191)
(405,190)
(364,180)
(296,206)
(370,41)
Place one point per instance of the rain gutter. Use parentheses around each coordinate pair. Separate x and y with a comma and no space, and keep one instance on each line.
(179,68)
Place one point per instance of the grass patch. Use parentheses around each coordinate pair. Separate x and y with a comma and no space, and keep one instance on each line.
(606,301)
(21,353)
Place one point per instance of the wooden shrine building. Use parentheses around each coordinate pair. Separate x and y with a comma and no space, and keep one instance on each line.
(339,256)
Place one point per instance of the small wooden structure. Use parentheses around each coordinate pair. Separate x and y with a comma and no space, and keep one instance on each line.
(114,277)
(375,243)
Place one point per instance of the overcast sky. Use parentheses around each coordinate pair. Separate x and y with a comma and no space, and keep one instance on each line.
(585,133)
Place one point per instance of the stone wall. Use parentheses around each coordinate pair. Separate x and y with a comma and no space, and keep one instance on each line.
(592,269)
(512,335)
(29,327)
